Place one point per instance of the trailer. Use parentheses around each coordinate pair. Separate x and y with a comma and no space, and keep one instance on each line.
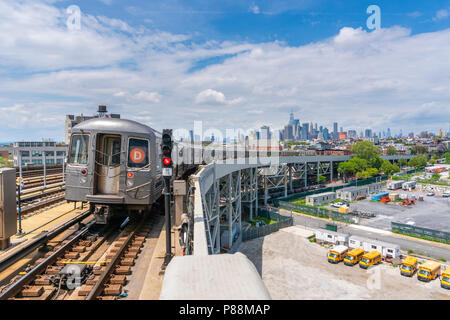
(388,250)
(321,198)
(355,242)
(409,185)
(378,196)
(337,238)
(393,185)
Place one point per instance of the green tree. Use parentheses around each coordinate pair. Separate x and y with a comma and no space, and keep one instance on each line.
(396,168)
(321,179)
(365,174)
(347,168)
(391,151)
(418,161)
(447,157)
(359,164)
(5,162)
(432,161)
(402,162)
(365,150)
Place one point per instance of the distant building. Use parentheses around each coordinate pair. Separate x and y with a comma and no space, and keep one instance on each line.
(265,133)
(72,120)
(38,152)
(342,135)
(352,134)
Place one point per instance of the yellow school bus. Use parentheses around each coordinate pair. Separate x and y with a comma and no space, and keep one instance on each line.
(409,266)
(430,270)
(370,259)
(353,256)
(445,279)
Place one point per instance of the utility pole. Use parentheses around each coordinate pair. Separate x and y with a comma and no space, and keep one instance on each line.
(166,148)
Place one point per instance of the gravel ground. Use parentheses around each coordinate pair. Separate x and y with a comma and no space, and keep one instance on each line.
(433,212)
(293,268)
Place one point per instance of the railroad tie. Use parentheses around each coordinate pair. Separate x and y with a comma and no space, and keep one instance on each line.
(85,290)
(112,289)
(32,291)
(99,270)
(118,279)
(92,281)
(123,270)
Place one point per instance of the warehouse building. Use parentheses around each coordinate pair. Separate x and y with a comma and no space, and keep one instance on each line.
(321,198)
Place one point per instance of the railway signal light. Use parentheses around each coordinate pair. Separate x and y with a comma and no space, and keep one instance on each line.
(167,161)
(166,149)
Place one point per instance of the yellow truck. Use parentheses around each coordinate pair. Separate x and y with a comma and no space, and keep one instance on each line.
(337,253)
(409,266)
(428,271)
(369,259)
(353,256)
(445,279)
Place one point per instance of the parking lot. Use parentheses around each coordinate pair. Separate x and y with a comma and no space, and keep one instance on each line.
(293,268)
(433,212)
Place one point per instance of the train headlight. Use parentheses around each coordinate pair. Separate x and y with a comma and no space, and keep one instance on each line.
(83,180)
(130,182)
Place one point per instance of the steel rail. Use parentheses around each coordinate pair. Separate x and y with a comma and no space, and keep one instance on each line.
(27,278)
(98,287)
(40,239)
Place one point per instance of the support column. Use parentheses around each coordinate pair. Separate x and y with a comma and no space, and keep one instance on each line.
(45,168)
(331,172)
(285,180)
(306,174)
(256,191)
(318,172)
(230,210)
(266,191)
(291,188)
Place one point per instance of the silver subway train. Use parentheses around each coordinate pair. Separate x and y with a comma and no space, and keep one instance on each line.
(114,164)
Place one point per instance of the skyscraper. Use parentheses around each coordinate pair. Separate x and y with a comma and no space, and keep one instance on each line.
(305,131)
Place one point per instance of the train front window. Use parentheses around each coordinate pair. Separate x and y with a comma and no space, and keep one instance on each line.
(79,149)
(138,153)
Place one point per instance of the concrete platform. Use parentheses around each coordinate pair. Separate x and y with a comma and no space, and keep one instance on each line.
(154,277)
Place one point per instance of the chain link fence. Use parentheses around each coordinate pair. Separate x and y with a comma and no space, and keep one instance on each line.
(257,232)
(318,212)
(329,189)
(421,232)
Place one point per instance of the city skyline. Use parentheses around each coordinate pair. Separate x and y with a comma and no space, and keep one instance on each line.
(148,62)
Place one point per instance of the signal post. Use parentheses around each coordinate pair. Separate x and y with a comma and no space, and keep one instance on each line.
(167,165)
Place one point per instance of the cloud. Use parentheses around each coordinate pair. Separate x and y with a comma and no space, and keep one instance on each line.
(414,14)
(441,14)
(154,97)
(254,9)
(384,78)
(210,96)
(107,2)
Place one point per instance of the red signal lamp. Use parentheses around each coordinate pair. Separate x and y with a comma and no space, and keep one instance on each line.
(130,174)
(83,172)
(167,161)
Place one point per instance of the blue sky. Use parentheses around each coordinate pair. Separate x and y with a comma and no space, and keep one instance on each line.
(231,64)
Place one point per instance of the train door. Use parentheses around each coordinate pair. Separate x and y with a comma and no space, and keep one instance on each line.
(108,163)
